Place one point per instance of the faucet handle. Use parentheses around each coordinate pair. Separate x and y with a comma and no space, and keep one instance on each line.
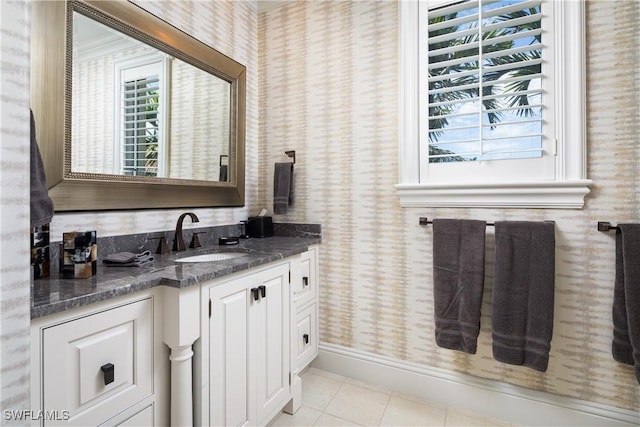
(243,229)
(163,247)
(195,241)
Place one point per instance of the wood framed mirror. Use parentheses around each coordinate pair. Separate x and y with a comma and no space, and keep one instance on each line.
(132,113)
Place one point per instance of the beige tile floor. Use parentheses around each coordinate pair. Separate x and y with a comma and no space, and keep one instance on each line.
(332,400)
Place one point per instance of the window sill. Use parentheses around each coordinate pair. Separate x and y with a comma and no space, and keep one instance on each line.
(547,194)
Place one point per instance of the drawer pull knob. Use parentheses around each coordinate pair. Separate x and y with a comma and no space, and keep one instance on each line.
(305,281)
(263,291)
(305,339)
(256,293)
(108,371)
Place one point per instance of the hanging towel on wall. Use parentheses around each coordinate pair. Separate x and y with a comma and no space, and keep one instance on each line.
(458,277)
(523,293)
(224,172)
(282,187)
(41,204)
(626,297)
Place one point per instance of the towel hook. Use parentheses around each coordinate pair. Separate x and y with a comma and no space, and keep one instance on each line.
(292,154)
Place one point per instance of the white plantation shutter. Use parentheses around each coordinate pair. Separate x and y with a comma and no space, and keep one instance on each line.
(484,61)
(140,130)
(492,104)
(141,93)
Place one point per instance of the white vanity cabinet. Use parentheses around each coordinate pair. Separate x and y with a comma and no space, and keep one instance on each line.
(248,347)
(98,367)
(227,351)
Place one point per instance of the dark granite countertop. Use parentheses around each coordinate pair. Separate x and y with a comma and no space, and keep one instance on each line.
(53,294)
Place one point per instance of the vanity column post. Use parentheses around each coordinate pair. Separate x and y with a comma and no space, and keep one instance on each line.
(181,328)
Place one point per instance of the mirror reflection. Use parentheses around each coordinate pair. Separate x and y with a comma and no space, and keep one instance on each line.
(137,111)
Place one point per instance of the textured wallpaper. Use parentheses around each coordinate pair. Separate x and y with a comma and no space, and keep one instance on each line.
(14,207)
(329,90)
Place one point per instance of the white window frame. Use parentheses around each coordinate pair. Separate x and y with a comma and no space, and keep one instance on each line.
(569,185)
(122,67)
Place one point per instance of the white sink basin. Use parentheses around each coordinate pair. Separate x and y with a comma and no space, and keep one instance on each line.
(219,256)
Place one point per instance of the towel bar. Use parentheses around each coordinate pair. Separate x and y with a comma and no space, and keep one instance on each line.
(606,226)
(423,220)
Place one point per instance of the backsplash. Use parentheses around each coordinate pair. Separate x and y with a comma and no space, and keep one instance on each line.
(208,237)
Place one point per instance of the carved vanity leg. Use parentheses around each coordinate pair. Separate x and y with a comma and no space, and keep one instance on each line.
(181,386)
(181,328)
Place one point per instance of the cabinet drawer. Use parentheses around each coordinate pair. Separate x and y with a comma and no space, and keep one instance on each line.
(76,363)
(142,418)
(305,287)
(306,338)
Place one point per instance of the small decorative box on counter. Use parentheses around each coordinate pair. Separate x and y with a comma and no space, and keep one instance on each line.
(40,251)
(78,255)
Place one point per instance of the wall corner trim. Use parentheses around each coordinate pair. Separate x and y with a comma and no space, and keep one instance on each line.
(491,398)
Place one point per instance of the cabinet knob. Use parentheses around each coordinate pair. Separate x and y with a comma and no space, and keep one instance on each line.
(108,371)
(263,290)
(305,281)
(256,293)
(305,339)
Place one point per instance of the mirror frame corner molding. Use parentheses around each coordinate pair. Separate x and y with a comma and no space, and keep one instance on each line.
(51,104)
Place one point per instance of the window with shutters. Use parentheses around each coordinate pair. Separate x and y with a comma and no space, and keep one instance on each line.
(141,93)
(492,104)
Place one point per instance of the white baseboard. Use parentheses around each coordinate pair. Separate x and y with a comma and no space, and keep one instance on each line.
(494,399)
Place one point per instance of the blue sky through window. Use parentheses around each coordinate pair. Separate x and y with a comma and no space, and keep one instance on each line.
(510,97)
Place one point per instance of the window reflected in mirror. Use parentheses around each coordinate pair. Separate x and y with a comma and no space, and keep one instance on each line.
(137,111)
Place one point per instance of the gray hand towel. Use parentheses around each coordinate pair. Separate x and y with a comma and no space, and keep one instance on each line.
(282,187)
(458,277)
(128,259)
(626,297)
(224,173)
(523,293)
(41,204)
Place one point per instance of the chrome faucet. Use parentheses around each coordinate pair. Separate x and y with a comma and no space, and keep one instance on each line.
(178,241)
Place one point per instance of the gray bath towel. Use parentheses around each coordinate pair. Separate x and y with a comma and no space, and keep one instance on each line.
(41,204)
(282,187)
(523,293)
(626,297)
(458,282)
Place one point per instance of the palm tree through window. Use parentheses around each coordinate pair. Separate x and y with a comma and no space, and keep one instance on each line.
(485,93)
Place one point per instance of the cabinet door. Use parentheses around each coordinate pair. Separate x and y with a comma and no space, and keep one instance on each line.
(228,354)
(270,335)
